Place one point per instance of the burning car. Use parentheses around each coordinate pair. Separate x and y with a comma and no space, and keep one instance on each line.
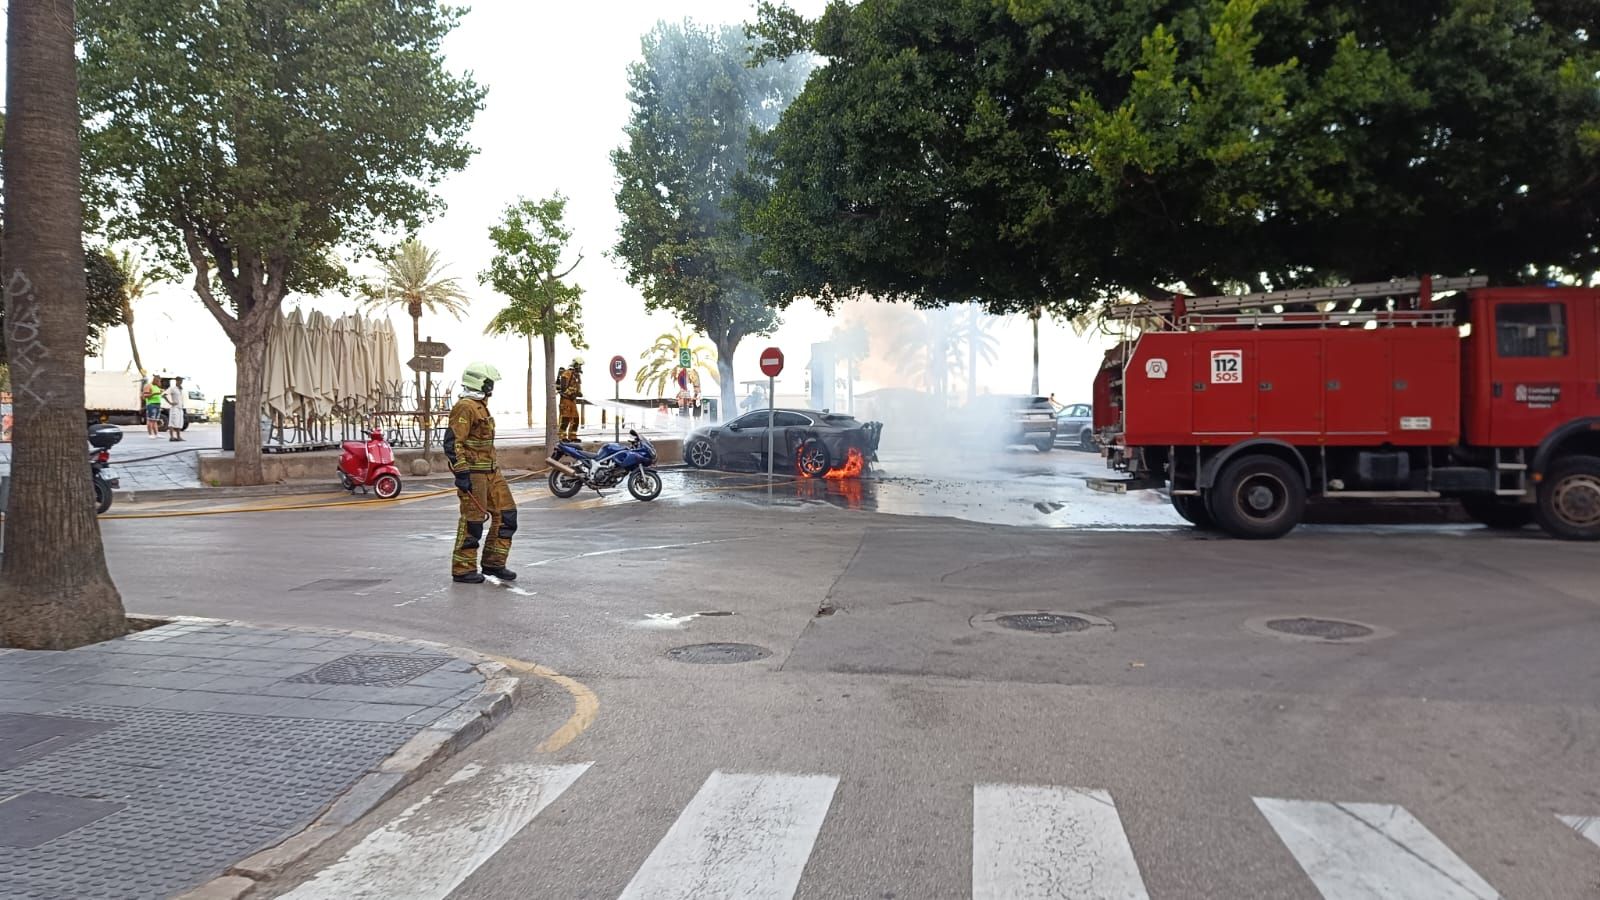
(816,444)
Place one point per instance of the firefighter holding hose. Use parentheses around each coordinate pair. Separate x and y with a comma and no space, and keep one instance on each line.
(569,386)
(486,504)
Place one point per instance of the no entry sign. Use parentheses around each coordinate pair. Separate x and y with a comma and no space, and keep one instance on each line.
(619,368)
(771,362)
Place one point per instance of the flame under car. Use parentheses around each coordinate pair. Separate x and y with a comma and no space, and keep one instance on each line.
(811,443)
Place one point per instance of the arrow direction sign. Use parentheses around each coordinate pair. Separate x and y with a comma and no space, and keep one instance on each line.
(426,364)
(432,348)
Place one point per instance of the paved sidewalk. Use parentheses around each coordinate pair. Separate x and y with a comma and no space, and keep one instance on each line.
(145,766)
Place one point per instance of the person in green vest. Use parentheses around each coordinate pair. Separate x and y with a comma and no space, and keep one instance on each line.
(152,406)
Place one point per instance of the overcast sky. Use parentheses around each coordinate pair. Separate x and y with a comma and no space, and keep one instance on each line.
(556,74)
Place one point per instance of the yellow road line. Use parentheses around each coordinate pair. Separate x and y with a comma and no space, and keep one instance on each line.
(584,703)
(296,503)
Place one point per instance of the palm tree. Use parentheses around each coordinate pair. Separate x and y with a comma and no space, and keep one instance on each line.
(973,333)
(414,278)
(930,344)
(137,282)
(55,590)
(661,360)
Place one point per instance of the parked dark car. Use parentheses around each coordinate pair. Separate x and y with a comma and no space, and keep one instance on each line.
(809,441)
(1075,427)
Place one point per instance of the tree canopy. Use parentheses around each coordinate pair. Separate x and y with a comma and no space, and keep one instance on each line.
(1056,152)
(252,141)
(697,101)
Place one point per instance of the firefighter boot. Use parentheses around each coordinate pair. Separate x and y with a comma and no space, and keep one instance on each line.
(500,572)
(468,578)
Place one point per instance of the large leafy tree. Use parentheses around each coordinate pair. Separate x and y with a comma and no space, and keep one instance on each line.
(530,240)
(697,101)
(1042,154)
(249,141)
(55,590)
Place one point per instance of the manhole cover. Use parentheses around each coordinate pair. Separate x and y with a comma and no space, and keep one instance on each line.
(1044,623)
(1326,629)
(717,654)
(1316,629)
(1041,621)
(372,669)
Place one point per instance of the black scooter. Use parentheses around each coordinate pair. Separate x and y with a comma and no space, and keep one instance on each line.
(101,439)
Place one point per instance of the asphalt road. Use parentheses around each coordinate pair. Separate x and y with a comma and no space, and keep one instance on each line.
(899,741)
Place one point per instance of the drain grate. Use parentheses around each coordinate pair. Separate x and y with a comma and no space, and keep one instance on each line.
(1325,629)
(372,669)
(718,654)
(1043,623)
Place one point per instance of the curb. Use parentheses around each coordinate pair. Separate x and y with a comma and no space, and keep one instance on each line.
(431,746)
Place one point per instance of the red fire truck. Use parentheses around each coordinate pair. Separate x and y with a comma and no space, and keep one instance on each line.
(1244,406)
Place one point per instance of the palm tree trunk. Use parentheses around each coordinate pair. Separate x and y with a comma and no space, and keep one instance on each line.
(55,590)
(972,357)
(133,343)
(530,381)
(1036,312)
(416,338)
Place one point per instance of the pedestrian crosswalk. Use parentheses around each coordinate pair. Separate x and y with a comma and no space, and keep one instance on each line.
(751,836)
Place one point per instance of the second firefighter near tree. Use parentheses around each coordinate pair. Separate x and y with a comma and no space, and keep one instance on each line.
(569,387)
(488,512)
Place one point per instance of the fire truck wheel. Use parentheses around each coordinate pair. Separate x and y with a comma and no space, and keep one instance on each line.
(1569,499)
(1498,514)
(1259,498)
(1192,509)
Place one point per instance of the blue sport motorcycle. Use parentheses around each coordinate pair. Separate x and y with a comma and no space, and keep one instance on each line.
(573,468)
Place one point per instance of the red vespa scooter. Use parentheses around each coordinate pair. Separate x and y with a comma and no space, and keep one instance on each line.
(370,463)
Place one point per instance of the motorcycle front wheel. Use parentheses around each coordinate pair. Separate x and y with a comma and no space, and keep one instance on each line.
(102,496)
(644,484)
(564,485)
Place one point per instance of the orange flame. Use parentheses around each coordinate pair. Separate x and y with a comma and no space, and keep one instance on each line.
(854,464)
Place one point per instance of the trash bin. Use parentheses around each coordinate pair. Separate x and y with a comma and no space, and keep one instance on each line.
(228,404)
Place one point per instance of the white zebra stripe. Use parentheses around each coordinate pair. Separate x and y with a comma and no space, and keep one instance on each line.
(742,836)
(1362,851)
(1588,826)
(430,849)
(1041,843)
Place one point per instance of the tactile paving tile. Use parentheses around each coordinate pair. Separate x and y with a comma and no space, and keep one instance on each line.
(202,791)
(372,669)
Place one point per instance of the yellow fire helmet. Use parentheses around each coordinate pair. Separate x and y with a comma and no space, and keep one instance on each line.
(479,374)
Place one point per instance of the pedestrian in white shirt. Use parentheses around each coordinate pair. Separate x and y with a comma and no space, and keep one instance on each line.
(175,399)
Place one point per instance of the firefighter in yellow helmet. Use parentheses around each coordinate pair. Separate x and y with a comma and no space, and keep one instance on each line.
(569,387)
(488,514)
